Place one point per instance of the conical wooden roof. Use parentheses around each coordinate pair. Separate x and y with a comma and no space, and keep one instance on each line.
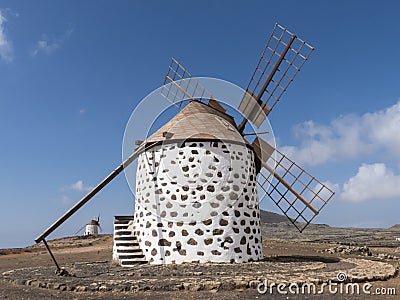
(198,121)
(93,222)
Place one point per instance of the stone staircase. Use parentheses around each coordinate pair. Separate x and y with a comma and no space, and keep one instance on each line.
(126,249)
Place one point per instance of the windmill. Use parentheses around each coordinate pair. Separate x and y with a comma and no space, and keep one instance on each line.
(92,228)
(198,176)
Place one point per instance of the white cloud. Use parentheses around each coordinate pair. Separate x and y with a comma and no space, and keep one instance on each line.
(372,182)
(45,46)
(332,186)
(384,128)
(6,49)
(80,187)
(347,137)
(48,46)
(68,192)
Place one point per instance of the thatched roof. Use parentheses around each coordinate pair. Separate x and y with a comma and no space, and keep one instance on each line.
(198,121)
(93,222)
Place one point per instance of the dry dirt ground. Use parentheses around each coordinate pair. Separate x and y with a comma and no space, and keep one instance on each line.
(287,254)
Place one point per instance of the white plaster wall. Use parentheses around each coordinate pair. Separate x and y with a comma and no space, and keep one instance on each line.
(197,202)
(91,230)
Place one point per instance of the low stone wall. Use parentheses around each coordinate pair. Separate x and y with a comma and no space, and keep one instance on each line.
(357,250)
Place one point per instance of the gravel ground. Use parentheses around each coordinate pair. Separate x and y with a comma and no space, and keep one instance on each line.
(289,257)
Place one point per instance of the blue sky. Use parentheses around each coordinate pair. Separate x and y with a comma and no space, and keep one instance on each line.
(71,73)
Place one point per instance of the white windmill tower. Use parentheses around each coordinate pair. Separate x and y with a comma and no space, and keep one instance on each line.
(196,191)
(92,227)
(198,175)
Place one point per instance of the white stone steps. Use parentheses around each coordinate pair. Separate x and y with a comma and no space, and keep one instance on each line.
(130,262)
(129,250)
(126,249)
(127,245)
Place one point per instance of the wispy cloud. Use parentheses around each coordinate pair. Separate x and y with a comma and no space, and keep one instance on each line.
(6,48)
(48,46)
(372,182)
(70,192)
(347,137)
(45,46)
(80,187)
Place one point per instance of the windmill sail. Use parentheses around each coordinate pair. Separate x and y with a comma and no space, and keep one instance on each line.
(179,86)
(281,60)
(83,227)
(299,195)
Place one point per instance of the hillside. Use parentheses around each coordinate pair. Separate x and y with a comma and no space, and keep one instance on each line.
(271,217)
(395,227)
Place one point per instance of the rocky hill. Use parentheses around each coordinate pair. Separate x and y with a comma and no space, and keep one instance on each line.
(271,217)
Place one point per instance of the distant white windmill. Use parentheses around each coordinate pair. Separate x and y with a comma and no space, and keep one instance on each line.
(92,228)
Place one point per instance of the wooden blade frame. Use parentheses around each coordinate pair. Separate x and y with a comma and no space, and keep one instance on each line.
(299,195)
(179,86)
(281,60)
